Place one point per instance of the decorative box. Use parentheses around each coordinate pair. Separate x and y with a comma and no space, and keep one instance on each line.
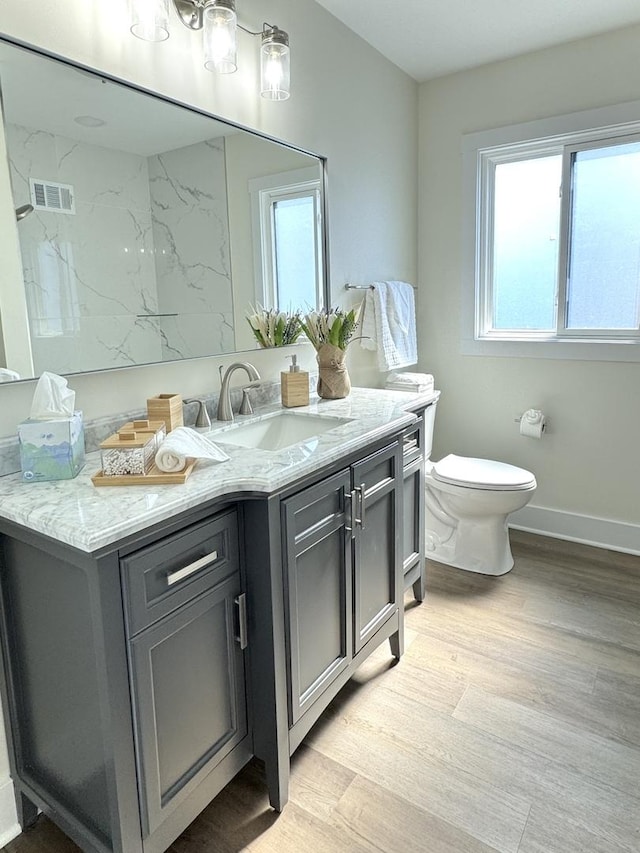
(128,452)
(51,450)
(167,408)
(156,428)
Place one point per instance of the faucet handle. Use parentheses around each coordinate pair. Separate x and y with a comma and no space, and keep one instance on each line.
(203,421)
(245,406)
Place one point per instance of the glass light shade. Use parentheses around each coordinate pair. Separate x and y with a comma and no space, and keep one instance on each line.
(149,19)
(275,65)
(219,37)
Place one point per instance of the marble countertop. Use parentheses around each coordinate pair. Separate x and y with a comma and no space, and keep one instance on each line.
(79,514)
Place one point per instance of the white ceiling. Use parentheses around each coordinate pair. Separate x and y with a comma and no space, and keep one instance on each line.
(429,38)
(38,92)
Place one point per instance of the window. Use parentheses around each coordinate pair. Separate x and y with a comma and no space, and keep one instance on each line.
(556,240)
(287,214)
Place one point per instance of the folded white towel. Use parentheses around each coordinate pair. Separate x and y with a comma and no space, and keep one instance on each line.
(184,443)
(413,380)
(389,324)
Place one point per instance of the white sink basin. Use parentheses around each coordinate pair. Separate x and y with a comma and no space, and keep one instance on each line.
(279,430)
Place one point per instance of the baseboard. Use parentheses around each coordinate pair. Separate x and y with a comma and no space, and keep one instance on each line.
(9,826)
(599,532)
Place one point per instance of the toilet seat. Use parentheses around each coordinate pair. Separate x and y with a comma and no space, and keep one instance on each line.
(488,474)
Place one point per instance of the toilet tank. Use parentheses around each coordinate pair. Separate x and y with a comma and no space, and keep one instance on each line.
(429,421)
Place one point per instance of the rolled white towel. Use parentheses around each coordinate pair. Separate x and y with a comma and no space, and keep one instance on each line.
(184,443)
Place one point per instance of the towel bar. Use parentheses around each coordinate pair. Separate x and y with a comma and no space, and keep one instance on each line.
(365,286)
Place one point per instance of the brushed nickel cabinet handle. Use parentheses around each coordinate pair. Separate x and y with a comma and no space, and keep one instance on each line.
(241,603)
(192,568)
(348,511)
(360,490)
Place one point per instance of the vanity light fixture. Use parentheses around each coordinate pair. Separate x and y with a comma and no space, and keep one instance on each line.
(219,24)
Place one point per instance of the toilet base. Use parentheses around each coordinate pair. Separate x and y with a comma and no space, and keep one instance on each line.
(481,547)
(477,566)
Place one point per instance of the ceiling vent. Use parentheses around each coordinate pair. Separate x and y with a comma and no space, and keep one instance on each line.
(52,196)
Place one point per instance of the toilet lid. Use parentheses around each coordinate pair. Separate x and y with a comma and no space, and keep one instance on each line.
(481,473)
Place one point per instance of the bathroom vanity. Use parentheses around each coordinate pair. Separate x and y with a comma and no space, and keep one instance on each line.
(156,639)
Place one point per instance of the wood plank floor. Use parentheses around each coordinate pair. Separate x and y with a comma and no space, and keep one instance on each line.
(512,724)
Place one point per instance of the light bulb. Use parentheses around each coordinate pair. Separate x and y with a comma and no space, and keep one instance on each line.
(275,65)
(219,37)
(149,19)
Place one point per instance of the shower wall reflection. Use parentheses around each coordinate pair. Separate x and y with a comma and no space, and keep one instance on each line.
(140,272)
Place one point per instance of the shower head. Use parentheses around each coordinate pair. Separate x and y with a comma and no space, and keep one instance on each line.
(23,211)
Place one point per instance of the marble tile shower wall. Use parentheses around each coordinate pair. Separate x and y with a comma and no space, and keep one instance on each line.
(188,190)
(95,283)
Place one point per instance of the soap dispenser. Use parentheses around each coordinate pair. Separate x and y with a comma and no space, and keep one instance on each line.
(294,385)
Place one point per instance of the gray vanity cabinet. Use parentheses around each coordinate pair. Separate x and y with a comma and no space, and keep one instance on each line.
(124,678)
(341,571)
(413,459)
(318,574)
(187,668)
(377,510)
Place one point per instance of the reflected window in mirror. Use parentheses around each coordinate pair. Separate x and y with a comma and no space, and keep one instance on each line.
(287,227)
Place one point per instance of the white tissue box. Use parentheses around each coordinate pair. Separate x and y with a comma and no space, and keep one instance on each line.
(51,450)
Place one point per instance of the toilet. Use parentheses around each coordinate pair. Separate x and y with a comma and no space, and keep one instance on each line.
(468,502)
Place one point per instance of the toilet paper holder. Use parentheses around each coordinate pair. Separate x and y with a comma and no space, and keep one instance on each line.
(545,421)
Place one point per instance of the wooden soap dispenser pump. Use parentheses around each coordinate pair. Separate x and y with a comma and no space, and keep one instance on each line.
(294,385)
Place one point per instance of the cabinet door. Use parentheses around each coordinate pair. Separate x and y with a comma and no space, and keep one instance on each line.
(317,536)
(413,527)
(190,698)
(377,543)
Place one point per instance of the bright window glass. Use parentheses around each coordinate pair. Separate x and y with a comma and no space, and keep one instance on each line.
(294,226)
(525,243)
(603,283)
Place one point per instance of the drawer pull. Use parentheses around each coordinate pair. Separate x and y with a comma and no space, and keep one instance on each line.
(192,568)
(241,603)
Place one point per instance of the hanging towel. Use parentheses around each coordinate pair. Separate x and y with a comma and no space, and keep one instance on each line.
(8,375)
(389,324)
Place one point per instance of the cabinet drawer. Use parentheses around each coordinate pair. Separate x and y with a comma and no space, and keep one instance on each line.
(413,441)
(167,574)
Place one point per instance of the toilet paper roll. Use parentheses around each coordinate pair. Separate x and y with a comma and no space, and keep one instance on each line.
(532,423)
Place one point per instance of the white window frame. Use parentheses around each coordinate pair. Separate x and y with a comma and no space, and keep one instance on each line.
(480,153)
(264,193)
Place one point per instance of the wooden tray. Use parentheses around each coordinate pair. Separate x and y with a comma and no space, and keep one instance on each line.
(155,477)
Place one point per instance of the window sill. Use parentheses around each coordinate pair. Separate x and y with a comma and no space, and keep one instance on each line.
(574,350)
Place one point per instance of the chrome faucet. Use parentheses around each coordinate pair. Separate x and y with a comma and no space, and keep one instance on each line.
(225,411)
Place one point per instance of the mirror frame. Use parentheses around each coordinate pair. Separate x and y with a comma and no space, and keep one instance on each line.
(134,87)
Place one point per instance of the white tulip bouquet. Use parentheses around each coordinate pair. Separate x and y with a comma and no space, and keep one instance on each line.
(330,332)
(331,326)
(273,328)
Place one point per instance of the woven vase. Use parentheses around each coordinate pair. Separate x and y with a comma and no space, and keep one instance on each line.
(333,377)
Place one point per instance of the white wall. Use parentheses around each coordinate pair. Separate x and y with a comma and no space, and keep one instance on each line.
(588,463)
(347,103)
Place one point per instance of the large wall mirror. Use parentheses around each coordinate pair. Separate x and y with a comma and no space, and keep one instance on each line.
(146,229)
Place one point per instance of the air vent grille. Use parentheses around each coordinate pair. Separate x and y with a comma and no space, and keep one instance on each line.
(52,196)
